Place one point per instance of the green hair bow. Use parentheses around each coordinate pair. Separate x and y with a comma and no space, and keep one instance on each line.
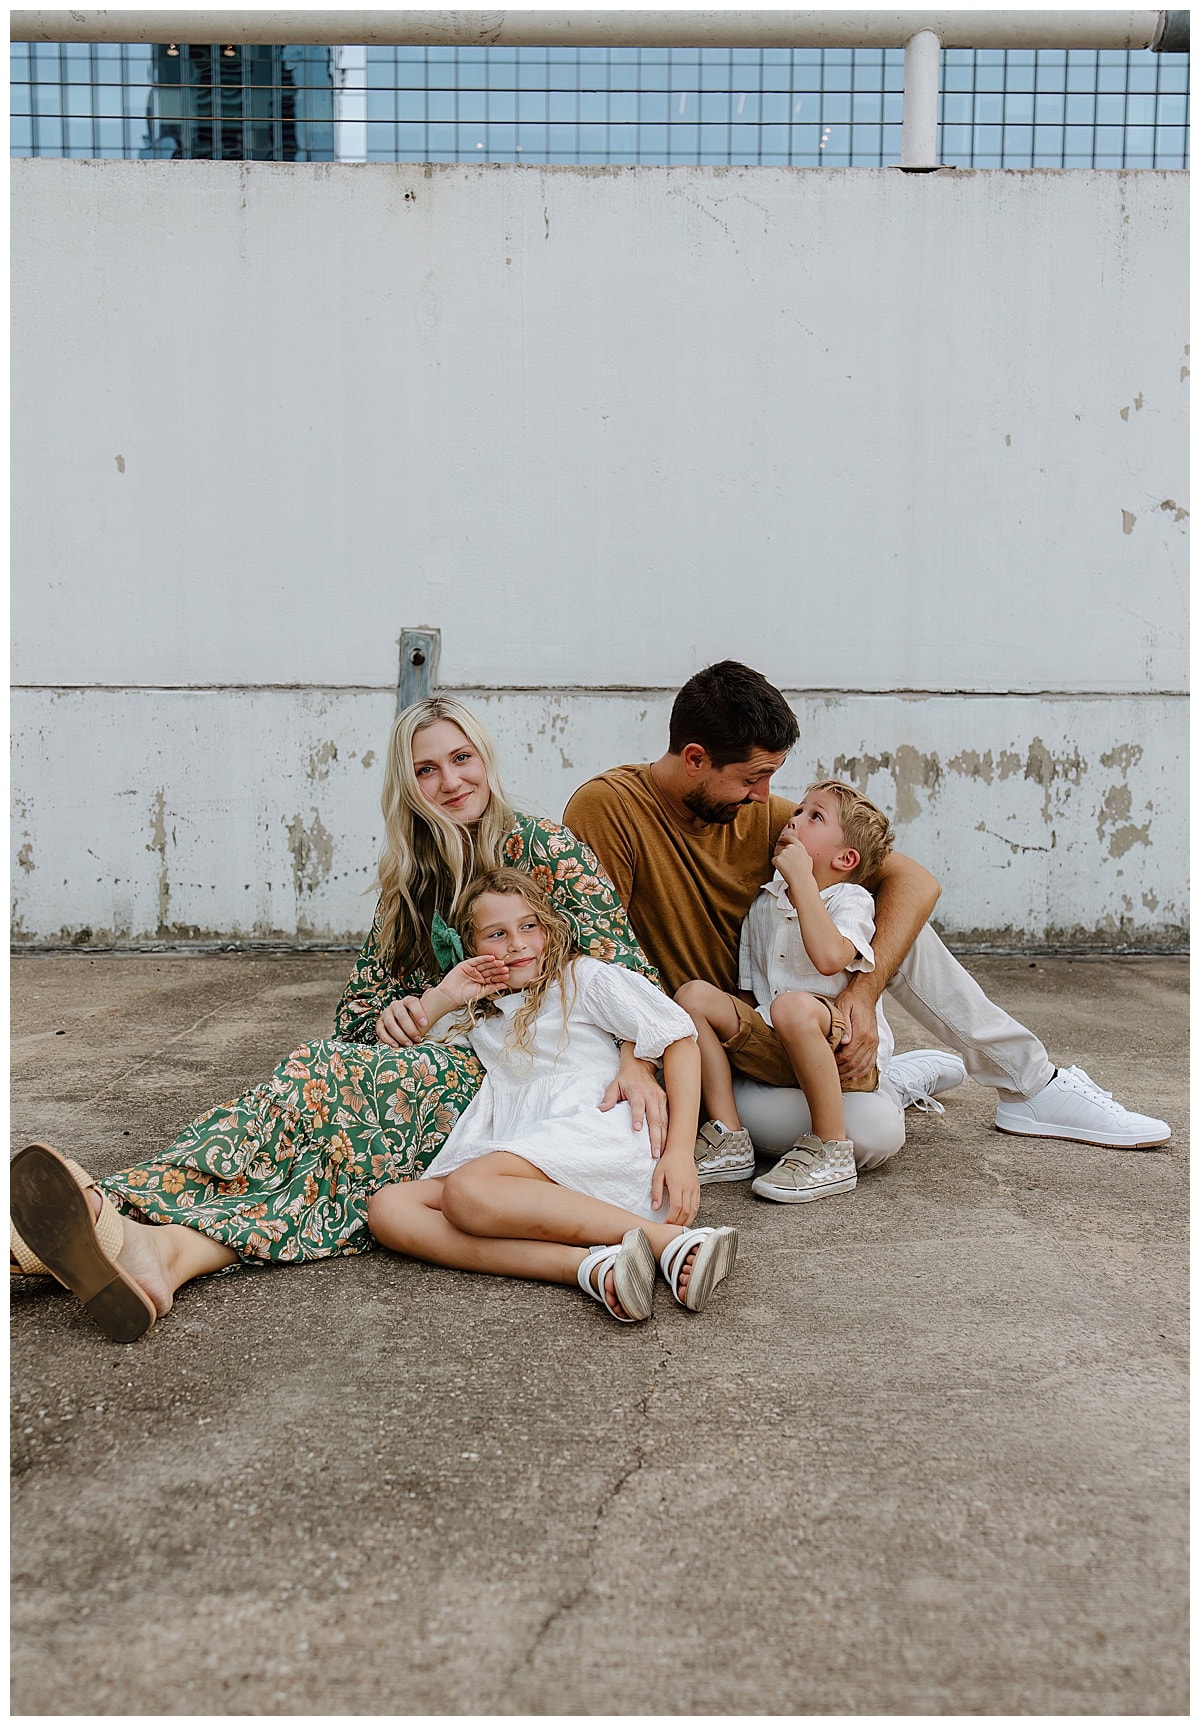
(447,943)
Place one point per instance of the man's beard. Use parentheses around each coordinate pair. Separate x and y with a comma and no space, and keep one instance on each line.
(706,808)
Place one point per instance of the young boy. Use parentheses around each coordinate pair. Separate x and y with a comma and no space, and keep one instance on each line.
(809,926)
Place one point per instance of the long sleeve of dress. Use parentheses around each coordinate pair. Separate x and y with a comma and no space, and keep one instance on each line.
(370,989)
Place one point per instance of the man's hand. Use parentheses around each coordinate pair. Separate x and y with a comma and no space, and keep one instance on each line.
(636,1085)
(860,1046)
(676,1176)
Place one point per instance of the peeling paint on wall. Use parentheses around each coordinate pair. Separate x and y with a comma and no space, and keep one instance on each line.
(158,845)
(312,853)
(1116,808)
(320,759)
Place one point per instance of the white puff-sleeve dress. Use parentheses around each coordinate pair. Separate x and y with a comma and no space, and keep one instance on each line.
(543,1104)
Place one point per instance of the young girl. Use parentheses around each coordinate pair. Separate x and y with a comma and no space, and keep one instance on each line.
(534,1172)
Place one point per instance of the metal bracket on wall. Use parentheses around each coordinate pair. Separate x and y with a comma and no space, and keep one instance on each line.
(420,654)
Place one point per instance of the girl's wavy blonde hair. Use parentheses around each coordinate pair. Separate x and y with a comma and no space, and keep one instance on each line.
(558,957)
(427,859)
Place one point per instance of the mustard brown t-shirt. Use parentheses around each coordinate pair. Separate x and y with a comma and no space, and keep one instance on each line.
(686,893)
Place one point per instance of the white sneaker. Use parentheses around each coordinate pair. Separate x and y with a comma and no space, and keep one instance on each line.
(812,1169)
(723,1153)
(922,1075)
(1072,1106)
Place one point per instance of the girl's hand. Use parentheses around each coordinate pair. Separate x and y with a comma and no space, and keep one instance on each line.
(636,1085)
(402,1023)
(675,1174)
(473,978)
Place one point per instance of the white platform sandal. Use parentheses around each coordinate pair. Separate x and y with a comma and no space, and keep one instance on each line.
(632,1266)
(717,1252)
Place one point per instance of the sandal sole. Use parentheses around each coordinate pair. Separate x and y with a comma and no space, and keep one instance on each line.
(55,1220)
(712,1264)
(633,1275)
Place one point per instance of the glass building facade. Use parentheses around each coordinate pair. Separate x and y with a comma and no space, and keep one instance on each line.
(999,108)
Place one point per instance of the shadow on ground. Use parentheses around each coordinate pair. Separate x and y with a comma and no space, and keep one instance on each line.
(926,1453)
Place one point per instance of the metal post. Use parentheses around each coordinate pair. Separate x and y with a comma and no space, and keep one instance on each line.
(922,76)
(420,655)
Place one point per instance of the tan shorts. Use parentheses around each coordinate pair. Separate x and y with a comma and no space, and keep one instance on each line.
(756,1049)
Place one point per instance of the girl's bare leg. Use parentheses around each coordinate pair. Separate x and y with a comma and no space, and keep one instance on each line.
(715,1017)
(503,1196)
(415,1219)
(803,1023)
(161,1257)
(410,1219)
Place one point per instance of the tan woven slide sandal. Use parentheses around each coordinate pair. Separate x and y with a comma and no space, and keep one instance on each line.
(52,1218)
(23,1263)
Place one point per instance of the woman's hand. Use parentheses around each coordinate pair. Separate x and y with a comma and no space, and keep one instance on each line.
(675,1174)
(636,1085)
(402,1023)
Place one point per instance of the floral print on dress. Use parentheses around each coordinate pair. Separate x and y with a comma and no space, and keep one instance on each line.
(284,1172)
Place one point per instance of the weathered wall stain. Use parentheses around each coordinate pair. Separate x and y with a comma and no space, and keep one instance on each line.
(911,770)
(1128,521)
(25,857)
(319,761)
(158,845)
(914,771)
(1123,757)
(312,853)
(1117,808)
(972,765)
(1169,504)
(556,726)
(1044,768)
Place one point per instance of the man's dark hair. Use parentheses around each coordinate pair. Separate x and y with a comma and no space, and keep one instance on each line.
(731,711)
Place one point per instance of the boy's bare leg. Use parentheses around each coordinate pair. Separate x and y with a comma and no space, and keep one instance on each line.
(803,1022)
(715,1016)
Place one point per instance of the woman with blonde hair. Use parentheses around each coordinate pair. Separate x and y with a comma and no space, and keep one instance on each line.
(285,1172)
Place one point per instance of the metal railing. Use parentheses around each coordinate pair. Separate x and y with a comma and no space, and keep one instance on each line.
(803,107)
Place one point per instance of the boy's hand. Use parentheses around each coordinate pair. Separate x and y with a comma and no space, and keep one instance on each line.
(675,1174)
(791,859)
(472,978)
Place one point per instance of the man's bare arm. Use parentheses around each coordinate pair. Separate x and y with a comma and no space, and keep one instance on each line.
(905,894)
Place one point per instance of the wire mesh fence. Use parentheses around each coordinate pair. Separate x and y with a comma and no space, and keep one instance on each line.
(815,108)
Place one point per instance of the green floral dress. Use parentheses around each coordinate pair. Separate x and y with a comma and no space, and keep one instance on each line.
(284,1172)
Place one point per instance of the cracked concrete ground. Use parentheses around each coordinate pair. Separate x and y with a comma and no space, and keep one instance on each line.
(925,1453)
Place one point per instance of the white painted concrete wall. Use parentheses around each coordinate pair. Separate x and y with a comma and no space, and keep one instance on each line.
(915,442)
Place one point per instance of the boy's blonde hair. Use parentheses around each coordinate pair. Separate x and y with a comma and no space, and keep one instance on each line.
(557,955)
(864,828)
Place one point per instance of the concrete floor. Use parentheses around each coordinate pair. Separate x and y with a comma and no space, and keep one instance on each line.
(925,1454)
